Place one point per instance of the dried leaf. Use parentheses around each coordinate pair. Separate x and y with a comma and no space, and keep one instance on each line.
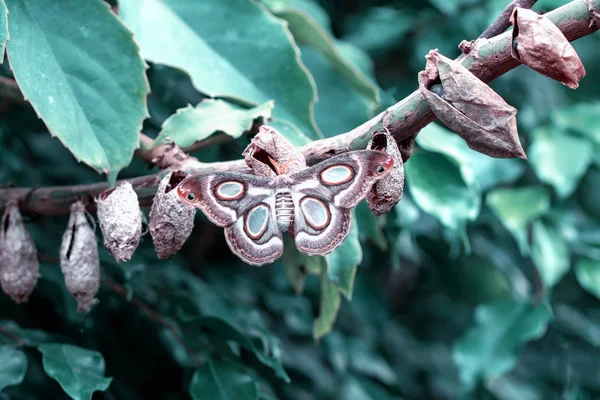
(470,108)
(79,260)
(171,220)
(19,267)
(542,47)
(120,220)
(270,154)
(387,192)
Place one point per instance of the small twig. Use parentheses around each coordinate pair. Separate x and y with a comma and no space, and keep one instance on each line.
(16,338)
(502,23)
(122,292)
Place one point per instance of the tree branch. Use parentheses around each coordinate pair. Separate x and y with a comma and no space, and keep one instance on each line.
(486,58)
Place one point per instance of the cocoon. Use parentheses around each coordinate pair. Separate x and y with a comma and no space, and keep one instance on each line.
(387,192)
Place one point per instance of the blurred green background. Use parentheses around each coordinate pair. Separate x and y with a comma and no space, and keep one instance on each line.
(483,283)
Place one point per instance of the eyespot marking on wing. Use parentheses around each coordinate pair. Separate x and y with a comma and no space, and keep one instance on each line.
(229,190)
(256,221)
(315,212)
(337,174)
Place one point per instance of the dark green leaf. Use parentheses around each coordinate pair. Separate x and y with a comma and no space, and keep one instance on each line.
(80,372)
(550,253)
(343,262)
(588,275)
(13,366)
(218,380)
(230,49)
(492,345)
(328,308)
(91,91)
(3,28)
(370,226)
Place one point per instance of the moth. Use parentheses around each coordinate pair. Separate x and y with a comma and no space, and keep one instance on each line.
(313,205)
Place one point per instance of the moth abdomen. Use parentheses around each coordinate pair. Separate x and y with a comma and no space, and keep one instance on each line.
(284,209)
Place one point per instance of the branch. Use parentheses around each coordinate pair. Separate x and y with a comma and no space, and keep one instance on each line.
(485,58)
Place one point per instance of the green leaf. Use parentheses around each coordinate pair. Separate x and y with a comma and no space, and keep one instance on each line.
(13,366)
(298,265)
(559,159)
(328,307)
(492,345)
(80,372)
(230,49)
(370,226)
(587,272)
(439,189)
(549,253)
(220,380)
(3,29)
(516,208)
(91,90)
(581,118)
(343,262)
(191,124)
(303,19)
(363,389)
(484,171)
(270,357)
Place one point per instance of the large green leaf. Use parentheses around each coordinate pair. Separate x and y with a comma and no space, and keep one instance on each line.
(439,189)
(492,345)
(191,124)
(329,306)
(516,208)
(229,48)
(588,275)
(550,253)
(475,167)
(343,262)
(310,26)
(370,227)
(13,366)
(89,86)
(80,372)
(560,159)
(3,28)
(221,380)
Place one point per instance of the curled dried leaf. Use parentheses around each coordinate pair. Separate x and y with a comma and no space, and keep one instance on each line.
(542,47)
(171,220)
(271,154)
(120,220)
(19,266)
(79,260)
(470,108)
(387,192)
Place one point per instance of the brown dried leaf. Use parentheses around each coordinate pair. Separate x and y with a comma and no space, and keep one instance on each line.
(470,108)
(387,192)
(171,220)
(79,260)
(270,153)
(19,266)
(543,47)
(120,220)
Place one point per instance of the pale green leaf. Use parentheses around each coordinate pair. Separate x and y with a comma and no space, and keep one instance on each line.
(80,372)
(91,91)
(328,307)
(191,124)
(3,29)
(559,159)
(588,275)
(438,188)
(517,207)
(484,171)
(13,366)
(309,25)
(492,345)
(343,262)
(222,380)
(230,48)
(581,118)
(550,253)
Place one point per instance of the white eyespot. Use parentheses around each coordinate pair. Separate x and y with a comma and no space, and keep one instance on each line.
(256,221)
(337,174)
(229,190)
(315,212)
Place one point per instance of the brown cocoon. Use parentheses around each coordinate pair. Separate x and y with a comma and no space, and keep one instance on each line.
(120,220)
(19,267)
(79,260)
(387,192)
(171,220)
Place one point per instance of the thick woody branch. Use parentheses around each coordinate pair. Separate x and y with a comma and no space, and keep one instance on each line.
(486,58)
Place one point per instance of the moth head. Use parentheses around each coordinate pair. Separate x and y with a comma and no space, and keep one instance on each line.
(381,164)
(188,192)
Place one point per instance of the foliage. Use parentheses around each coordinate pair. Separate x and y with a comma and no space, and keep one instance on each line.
(484,282)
